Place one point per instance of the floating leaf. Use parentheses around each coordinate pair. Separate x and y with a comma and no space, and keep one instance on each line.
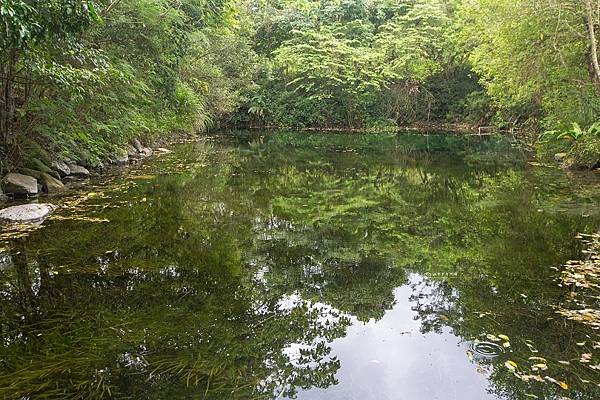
(531,347)
(563,385)
(492,338)
(559,383)
(541,367)
(511,365)
(538,359)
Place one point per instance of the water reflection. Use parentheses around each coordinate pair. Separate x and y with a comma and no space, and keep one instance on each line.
(392,359)
(317,266)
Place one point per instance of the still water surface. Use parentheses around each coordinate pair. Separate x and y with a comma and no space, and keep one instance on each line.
(265,265)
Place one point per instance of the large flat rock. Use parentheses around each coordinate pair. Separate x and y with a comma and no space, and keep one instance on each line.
(27,213)
(20,184)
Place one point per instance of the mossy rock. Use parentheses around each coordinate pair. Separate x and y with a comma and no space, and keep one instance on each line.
(33,150)
(39,165)
(52,185)
(31,172)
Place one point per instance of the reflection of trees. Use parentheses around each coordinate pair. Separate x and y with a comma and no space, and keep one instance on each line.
(355,216)
(231,279)
(510,290)
(158,305)
(476,235)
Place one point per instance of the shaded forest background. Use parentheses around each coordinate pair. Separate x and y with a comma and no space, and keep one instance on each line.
(82,78)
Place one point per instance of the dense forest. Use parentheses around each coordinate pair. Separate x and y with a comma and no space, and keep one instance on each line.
(82,78)
(349,199)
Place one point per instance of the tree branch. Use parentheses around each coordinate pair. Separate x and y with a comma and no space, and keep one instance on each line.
(593,42)
(110,7)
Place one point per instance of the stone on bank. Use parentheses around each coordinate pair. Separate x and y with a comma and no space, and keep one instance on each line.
(120,158)
(79,171)
(26,213)
(19,184)
(62,168)
(51,185)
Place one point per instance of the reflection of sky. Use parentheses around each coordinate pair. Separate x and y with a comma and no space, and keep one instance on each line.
(391,359)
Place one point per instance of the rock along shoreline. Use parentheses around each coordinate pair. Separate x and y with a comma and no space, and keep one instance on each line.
(56,177)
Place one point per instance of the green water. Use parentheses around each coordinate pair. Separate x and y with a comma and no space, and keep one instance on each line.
(257,265)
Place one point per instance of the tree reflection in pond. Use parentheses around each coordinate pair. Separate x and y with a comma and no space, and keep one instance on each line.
(238,269)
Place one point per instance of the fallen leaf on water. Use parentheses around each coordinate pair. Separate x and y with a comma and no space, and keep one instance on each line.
(542,367)
(537,359)
(504,337)
(559,383)
(511,365)
(492,338)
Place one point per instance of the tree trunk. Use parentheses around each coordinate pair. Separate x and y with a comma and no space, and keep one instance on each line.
(595,64)
(8,101)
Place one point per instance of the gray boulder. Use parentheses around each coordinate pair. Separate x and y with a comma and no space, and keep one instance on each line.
(121,158)
(147,151)
(27,213)
(133,153)
(51,185)
(137,145)
(20,184)
(62,168)
(79,171)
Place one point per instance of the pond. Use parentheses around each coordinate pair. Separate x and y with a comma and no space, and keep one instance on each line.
(273,265)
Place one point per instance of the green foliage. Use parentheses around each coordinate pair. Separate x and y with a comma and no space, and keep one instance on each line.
(30,23)
(507,63)
(532,58)
(582,146)
(332,72)
(349,64)
(89,76)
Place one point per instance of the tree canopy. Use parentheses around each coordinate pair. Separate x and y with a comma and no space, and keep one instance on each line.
(94,74)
